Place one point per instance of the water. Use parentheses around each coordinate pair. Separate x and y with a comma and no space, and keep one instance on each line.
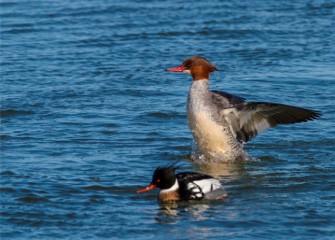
(88,112)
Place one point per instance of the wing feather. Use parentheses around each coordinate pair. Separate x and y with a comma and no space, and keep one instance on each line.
(248,119)
(224,100)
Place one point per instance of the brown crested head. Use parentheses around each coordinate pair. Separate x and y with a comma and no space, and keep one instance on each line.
(198,67)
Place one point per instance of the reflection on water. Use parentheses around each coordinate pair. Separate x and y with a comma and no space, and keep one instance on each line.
(218,169)
(230,170)
(170,212)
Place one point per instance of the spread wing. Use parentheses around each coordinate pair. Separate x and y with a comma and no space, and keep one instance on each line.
(251,118)
(247,119)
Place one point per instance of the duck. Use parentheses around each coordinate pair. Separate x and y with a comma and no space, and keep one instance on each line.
(184,186)
(221,123)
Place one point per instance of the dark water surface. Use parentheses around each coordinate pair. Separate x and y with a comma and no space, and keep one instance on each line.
(87,113)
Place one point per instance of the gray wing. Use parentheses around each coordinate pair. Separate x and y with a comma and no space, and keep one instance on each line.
(216,194)
(225,100)
(248,119)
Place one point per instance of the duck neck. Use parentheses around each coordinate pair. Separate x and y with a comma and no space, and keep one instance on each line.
(200,89)
(174,187)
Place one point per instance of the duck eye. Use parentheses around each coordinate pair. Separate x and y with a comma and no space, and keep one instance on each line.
(158,180)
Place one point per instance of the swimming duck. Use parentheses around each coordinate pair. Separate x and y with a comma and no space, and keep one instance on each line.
(184,186)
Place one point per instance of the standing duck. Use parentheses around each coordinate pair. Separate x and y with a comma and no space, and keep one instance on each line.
(221,123)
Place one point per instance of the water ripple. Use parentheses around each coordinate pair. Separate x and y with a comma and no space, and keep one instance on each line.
(12,112)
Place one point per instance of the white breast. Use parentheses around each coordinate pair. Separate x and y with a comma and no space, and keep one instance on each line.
(209,130)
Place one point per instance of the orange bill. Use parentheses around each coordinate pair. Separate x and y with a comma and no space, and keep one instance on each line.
(176,69)
(148,188)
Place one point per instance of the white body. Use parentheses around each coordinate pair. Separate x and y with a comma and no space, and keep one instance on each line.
(211,132)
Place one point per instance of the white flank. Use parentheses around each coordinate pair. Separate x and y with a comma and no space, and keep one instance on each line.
(208,185)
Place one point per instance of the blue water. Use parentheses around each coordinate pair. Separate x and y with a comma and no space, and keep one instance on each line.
(88,112)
